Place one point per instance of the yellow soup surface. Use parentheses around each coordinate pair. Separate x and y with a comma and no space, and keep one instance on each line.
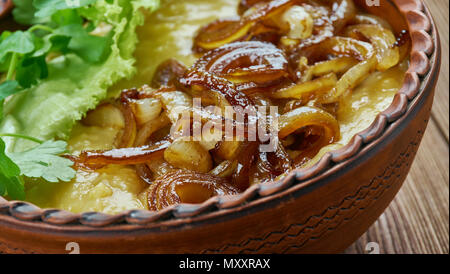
(169,33)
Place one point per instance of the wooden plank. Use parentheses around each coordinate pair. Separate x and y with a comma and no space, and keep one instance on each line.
(417,221)
(439,11)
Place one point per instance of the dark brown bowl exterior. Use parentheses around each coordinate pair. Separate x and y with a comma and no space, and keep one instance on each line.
(319,210)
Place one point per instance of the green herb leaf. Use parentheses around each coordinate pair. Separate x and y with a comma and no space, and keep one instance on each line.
(8,88)
(18,42)
(24,13)
(44,161)
(11,183)
(92,49)
(67,17)
(30,70)
(52,43)
(47,8)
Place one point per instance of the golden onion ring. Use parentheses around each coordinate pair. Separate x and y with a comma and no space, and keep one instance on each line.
(222,32)
(257,62)
(309,116)
(185,186)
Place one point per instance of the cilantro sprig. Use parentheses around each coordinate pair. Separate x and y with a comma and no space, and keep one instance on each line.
(43,161)
(57,29)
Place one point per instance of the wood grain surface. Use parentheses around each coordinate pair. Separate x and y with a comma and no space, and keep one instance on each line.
(417,221)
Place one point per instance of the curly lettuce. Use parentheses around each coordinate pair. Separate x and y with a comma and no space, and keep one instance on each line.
(50,109)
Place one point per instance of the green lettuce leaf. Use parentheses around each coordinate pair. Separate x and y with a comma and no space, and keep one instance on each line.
(73,87)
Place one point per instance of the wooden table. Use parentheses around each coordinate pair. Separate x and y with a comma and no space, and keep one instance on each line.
(417,221)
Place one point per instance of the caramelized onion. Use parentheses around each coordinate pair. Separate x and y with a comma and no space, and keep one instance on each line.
(309,116)
(322,29)
(123,156)
(188,155)
(168,73)
(307,89)
(343,12)
(337,65)
(383,41)
(184,186)
(268,10)
(245,5)
(129,132)
(270,165)
(159,167)
(223,91)
(312,141)
(149,128)
(370,19)
(245,159)
(224,169)
(222,32)
(253,61)
(343,46)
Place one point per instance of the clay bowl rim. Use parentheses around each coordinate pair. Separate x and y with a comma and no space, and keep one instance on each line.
(422,73)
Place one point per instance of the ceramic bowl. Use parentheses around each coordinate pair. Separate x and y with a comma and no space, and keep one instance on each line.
(322,209)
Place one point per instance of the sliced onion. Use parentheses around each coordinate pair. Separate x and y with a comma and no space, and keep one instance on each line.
(123,156)
(270,165)
(221,32)
(239,62)
(268,10)
(383,41)
(228,150)
(343,12)
(149,128)
(322,29)
(371,20)
(245,5)
(129,133)
(224,169)
(245,158)
(307,89)
(146,110)
(168,73)
(188,155)
(297,22)
(223,91)
(159,167)
(350,79)
(186,187)
(337,65)
(309,116)
(342,46)
(176,103)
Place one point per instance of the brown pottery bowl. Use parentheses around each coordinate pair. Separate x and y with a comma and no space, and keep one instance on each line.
(322,209)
